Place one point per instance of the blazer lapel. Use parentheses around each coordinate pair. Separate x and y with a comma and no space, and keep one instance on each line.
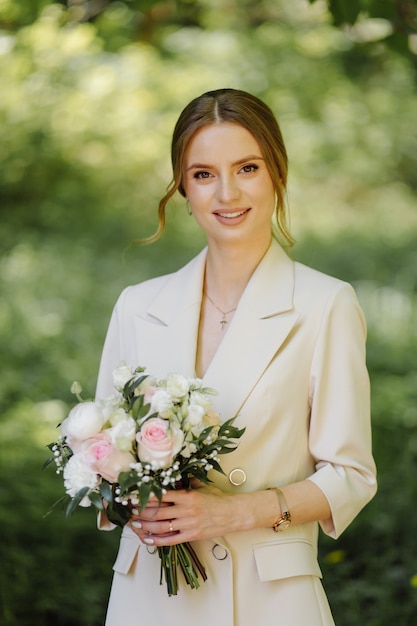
(262,322)
(170,325)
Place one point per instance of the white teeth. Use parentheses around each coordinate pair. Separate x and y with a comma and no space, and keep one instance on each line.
(230,215)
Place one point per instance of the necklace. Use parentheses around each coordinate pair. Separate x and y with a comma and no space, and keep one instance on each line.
(223,321)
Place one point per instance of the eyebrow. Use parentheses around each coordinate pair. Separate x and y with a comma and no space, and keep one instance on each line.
(250,157)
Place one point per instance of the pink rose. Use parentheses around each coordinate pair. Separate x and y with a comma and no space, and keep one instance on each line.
(159,442)
(104,458)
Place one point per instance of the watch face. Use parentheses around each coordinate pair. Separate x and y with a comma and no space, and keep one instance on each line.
(284,524)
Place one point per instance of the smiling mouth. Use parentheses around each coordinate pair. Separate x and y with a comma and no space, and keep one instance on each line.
(232,215)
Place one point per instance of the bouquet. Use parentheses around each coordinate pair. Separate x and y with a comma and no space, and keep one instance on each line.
(149,437)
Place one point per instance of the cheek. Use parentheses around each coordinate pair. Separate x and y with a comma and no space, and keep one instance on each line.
(267,195)
(198,195)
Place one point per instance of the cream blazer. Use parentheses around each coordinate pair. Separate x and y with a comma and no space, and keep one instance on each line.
(291,367)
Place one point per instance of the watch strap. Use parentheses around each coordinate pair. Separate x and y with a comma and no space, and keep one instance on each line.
(285,518)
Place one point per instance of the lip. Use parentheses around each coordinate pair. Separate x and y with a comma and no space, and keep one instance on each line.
(231,216)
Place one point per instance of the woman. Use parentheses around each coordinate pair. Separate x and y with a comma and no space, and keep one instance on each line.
(284,347)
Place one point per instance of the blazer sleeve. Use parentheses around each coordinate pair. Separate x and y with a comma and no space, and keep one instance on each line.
(340,426)
(112,354)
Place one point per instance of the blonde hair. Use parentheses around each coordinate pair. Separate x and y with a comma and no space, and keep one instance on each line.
(239,107)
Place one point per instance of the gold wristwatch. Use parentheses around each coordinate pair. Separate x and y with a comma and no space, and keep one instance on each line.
(283,522)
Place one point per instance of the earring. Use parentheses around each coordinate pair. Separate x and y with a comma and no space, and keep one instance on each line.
(188,207)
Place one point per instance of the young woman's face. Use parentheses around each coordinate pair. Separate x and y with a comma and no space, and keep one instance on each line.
(228,185)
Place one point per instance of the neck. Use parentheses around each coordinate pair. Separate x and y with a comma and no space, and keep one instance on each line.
(228,271)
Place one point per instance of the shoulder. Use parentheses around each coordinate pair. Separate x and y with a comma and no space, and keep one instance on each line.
(317,286)
(144,291)
(303,279)
(306,275)
(141,295)
(327,300)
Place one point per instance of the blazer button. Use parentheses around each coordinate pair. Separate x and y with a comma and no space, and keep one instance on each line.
(219,552)
(237,477)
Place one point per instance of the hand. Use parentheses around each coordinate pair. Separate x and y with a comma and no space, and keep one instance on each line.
(202,512)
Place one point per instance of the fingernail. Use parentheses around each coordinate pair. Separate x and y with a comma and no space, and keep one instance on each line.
(137,524)
(149,541)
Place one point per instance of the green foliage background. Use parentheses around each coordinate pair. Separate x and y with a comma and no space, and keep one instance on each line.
(87,107)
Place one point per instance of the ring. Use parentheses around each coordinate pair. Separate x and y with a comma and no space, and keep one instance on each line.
(171,528)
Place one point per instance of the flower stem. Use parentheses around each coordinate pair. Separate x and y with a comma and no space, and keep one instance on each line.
(182,555)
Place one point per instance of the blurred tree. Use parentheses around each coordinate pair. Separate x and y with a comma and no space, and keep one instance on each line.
(391,21)
(89,95)
(401,14)
(121,21)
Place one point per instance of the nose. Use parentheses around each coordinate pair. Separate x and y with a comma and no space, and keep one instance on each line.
(228,189)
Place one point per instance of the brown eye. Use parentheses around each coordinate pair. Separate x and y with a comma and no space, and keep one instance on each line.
(249,168)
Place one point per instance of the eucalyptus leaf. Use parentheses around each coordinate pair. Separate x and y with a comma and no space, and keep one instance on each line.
(75,501)
(144,494)
(96,500)
(48,462)
(106,491)
(133,384)
(118,514)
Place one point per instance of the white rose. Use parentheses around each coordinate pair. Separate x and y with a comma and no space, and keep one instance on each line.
(201,399)
(77,474)
(118,415)
(177,385)
(109,406)
(121,375)
(161,402)
(123,433)
(195,414)
(84,420)
(196,383)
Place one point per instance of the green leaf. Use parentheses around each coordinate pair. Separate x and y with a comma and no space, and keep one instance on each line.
(127,480)
(106,491)
(118,514)
(61,500)
(136,404)
(133,384)
(217,467)
(144,494)
(75,501)
(48,462)
(96,500)
(199,473)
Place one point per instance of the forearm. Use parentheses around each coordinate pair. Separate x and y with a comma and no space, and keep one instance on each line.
(306,503)
(206,512)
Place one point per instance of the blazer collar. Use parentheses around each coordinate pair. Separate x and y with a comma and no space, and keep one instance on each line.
(263,319)
(181,293)
(269,292)
(262,322)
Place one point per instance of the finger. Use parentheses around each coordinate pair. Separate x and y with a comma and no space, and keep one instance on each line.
(161,528)
(196,483)
(152,533)
(158,514)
